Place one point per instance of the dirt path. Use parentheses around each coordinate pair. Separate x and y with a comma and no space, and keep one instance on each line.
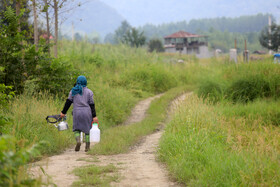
(138,167)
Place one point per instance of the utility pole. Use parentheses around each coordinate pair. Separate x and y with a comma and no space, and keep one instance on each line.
(269,33)
(246,53)
(73,31)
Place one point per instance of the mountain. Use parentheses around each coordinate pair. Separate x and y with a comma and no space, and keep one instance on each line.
(105,16)
(93,16)
(140,12)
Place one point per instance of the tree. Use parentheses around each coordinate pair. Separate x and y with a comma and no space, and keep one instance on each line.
(109,38)
(36,37)
(16,55)
(134,38)
(156,45)
(121,32)
(60,7)
(16,5)
(78,37)
(46,10)
(270,37)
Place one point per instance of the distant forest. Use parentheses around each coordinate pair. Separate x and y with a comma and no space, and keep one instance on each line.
(221,31)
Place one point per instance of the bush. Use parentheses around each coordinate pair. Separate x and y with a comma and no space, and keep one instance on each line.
(5,94)
(248,89)
(156,45)
(56,76)
(210,90)
(12,159)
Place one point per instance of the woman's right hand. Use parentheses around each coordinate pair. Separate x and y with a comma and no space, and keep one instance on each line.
(95,120)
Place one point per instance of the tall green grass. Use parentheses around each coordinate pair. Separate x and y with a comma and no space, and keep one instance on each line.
(28,122)
(203,148)
(242,82)
(267,112)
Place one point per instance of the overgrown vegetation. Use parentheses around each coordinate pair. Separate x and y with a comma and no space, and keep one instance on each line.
(26,68)
(221,145)
(230,136)
(242,83)
(13,157)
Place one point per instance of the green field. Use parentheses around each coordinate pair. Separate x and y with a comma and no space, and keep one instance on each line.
(226,134)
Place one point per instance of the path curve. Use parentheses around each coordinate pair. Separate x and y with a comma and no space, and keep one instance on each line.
(139,166)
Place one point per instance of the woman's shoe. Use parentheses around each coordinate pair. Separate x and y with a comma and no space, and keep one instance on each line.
(78,145)
(87,146)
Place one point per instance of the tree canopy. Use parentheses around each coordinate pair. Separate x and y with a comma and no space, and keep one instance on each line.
(22,67)
(134,38)
(270,37)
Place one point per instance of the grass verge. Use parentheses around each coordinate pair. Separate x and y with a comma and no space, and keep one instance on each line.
(203,147)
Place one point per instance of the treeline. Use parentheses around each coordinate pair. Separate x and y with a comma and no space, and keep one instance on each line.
(225,40)
(222,32)
(243,24)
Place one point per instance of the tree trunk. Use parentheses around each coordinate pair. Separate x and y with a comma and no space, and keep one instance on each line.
(36,38)
(56,27)
(48,24)
(18,3)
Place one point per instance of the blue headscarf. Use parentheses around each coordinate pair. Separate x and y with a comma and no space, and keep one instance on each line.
(78,88)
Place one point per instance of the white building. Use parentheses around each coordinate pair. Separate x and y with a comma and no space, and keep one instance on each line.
(187,43)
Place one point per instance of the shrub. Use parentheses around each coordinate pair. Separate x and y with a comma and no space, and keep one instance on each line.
(56,76)
(248,89)
(5,94)
(12,159)
(156,45)
(210,90)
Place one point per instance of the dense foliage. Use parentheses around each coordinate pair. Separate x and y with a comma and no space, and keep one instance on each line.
(270,37)
(243,24)
(126,34)
(16,54)
(23,64)
(155,45)
(23,19)
(120,32)
(134,38)
(13,157)
(241,85)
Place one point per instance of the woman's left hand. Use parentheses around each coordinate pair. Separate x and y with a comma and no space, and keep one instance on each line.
(62,115)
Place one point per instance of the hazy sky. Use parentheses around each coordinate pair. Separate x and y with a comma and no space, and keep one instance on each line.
(140,12)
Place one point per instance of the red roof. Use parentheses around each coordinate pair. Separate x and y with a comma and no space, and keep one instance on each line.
(183,34)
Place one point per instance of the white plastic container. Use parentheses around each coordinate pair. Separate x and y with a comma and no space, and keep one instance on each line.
(94,133)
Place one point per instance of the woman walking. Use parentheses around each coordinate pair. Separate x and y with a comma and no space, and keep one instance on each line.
(83,111)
